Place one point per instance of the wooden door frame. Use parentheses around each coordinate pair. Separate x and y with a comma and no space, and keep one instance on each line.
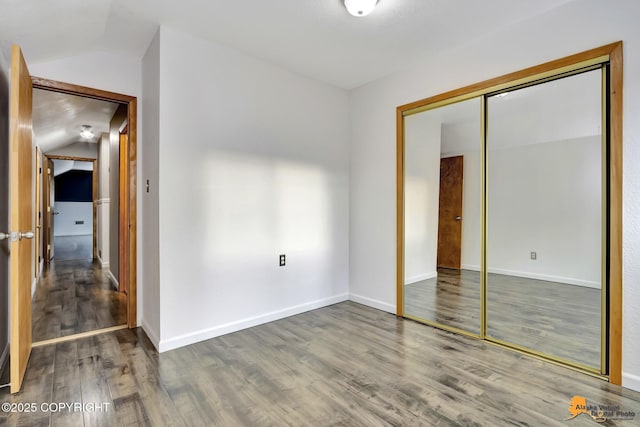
(611,53)
(123,205)
(94,193)
(130,249)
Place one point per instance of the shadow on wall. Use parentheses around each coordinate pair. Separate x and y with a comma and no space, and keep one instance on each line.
(257,204)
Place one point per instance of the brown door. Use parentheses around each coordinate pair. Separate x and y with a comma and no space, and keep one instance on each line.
(48,196)
(450,212)
(21,217)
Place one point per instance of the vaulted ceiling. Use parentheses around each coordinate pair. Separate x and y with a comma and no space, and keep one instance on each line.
(58,118)
(316,38)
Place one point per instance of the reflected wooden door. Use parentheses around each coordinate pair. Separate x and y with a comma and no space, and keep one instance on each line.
(450,212)
(21,216)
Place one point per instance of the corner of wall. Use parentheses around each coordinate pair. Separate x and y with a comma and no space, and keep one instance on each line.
(631,381)
(373,303)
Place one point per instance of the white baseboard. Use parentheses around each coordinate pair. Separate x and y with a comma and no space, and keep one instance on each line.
(216,331)
(420,277)
(545,277)
(153,335)
(103,264)
(4,358)
(631,381)
(380,305)
(548,278)
(113,279)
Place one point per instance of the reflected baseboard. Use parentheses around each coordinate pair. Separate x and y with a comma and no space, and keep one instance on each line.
(420,277)
(537,276)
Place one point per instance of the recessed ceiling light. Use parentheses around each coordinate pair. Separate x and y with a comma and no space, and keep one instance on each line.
(360,7)
(86,132)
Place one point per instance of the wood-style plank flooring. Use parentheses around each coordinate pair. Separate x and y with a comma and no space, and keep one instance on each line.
(346,365)
(553,318)
(72,247)
(73,297)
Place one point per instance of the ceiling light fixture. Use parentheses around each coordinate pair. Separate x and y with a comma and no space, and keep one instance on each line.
(360,7)
(86,132)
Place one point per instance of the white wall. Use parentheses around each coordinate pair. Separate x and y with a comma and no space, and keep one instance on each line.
(64,223)
(573,27)
(421,197)
(79,149)
(112,72)
(547,198)
(102,208)
(149,200)
(253,163)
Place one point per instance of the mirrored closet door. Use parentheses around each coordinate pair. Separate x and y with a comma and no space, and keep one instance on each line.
(442,217)
(510,211)
(545,218)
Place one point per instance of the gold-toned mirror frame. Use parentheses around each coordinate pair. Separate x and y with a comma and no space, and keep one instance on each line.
(611,55)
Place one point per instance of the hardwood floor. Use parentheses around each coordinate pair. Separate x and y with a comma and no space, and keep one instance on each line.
(346,364)
(72,247)
(553,318)
(75,296)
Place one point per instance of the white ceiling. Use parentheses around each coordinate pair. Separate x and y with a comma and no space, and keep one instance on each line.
(316,38)
(58,118)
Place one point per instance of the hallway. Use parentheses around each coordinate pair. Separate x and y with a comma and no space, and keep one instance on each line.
(75,296)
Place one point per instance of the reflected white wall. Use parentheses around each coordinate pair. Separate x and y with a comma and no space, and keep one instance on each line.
(421,197)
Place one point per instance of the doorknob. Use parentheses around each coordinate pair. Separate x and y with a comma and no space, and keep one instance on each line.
(56,213)
(458,218)
(27,235)
(4,236)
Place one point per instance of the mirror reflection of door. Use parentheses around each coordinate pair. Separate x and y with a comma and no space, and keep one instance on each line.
(450,212)
(545,218)
(443,216)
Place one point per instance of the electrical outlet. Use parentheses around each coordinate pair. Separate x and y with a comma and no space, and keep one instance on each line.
(283,260)
(534,255)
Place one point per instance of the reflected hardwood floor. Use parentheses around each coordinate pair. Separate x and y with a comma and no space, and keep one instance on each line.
(75,296)
(554,318)
(452,299)
(346,364)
